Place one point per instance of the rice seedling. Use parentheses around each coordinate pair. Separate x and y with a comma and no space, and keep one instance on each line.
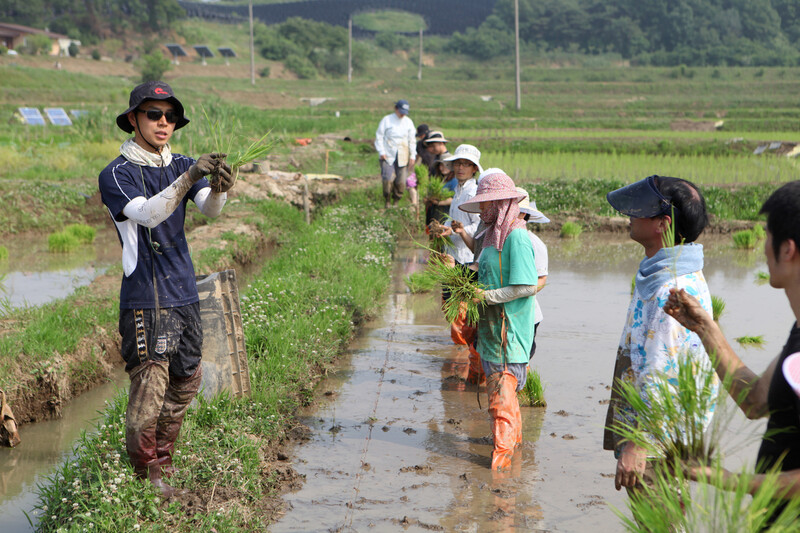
(82,232)
(434,189)
(3,253)
(717,307)
(464,292)
(745,239)
(571,230)
(420,281)
(759,232)
(62,242)
(762,277)
(222,136)
(751,340)
(714,505)
(533,392)
(671,421)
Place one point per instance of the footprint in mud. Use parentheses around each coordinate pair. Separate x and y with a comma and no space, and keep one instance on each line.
(499,514)
(568,437)
(454,422)
(335,429)
(419,469)
(409,431)
(406,522)
(562,413)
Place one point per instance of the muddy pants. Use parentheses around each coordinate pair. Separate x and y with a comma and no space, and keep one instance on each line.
(393,178)
(163,362)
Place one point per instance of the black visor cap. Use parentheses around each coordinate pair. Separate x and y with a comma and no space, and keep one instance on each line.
(640,200)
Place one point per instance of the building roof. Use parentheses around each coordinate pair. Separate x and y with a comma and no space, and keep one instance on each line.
(14,30)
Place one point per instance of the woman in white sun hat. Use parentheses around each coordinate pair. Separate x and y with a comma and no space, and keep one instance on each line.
(507,269)
(465,161)
(529,213)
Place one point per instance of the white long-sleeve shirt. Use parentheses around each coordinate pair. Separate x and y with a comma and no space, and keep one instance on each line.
(395,139)
(459,249)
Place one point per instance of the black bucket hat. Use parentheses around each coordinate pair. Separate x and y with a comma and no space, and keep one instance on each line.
(640,200)
(151,90)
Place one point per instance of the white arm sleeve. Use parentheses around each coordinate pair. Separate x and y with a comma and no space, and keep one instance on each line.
(150,213)
(506,294)
(209,202)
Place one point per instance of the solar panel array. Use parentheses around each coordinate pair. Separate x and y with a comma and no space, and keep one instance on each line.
(57,116)
(31,116)
(176,50)
(225,51)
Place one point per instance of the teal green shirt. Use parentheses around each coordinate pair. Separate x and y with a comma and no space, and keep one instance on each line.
(519,268)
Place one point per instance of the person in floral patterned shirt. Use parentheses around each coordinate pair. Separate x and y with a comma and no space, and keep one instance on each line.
(652,341)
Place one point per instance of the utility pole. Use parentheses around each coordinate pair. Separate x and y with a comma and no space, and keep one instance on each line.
(516,46)
(349,49)
(419,73)
(252,48)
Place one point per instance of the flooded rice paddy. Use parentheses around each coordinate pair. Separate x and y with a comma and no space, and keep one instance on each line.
(400,441)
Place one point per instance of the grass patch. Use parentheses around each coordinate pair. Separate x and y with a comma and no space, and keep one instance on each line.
(533,392)
(745,239)
(3,253)
(571,230)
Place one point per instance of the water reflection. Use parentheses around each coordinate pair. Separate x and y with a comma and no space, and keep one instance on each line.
(33,276)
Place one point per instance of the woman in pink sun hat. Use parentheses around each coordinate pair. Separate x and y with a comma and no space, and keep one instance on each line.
(507,269)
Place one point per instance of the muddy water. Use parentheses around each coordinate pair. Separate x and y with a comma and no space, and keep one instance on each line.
(398,439)
(34,276)
(45,445)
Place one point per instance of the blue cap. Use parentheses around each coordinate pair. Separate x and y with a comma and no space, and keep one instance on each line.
(402,106)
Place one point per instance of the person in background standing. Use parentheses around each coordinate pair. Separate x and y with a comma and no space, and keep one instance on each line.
(146,190)
(396,145)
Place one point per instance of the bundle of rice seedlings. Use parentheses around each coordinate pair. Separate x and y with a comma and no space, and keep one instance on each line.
(437,240)
(759,232)
(533,392)
(62,242)
(745,239)
(434,189)
(457,280)
(717,307)
(670,422)
(571,230)
(222,136)
(422,178)
(762,277)
(714,505)
(84,233)
(420,281)
(750,340)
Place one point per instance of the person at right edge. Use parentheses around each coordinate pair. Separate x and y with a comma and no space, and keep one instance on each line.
(652,342)
(146,190)
(770,394)
(507,269)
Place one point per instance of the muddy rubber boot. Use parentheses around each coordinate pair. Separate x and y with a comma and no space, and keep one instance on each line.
(154,474)
(179,394)
(506,417)
(475,376)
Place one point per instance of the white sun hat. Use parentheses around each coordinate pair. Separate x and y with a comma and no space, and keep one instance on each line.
(529,208)
(468,152)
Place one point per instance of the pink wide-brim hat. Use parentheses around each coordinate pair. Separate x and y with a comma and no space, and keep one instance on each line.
(497,186)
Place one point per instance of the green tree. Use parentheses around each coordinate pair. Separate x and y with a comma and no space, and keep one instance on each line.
(153,66)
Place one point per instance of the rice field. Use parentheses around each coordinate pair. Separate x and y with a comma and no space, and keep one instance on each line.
(704,170)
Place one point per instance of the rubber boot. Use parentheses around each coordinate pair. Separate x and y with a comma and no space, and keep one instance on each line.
(475,376)
(506,417)
(179,394)
(153,473)
(460,331)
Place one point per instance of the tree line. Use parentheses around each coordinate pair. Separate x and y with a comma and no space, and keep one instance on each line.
(647,32)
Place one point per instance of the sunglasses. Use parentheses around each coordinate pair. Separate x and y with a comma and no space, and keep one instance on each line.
(156,114)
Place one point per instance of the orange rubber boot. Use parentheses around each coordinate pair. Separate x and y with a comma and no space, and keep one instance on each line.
(475,375)
(506,417)
(460,331)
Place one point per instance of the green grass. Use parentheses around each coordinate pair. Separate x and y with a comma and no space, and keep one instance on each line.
(571,230)
(3,253)
(389,20)
(85,234)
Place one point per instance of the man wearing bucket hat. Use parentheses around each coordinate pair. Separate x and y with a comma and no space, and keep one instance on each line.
(776,392)
(507,269)
(146,191)
(466,163)
(396,145)
(653,344)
